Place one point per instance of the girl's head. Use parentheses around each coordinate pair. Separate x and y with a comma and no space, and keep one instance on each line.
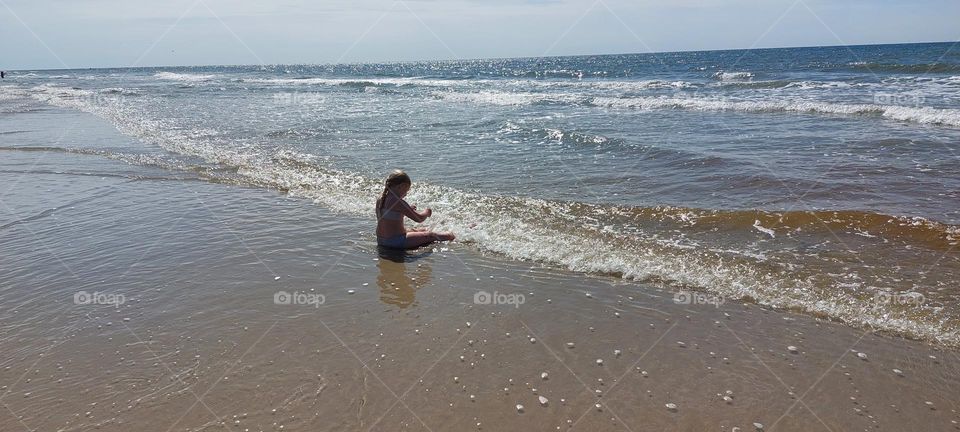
(398,182)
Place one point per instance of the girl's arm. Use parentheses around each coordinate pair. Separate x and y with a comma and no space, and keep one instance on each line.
(412,213)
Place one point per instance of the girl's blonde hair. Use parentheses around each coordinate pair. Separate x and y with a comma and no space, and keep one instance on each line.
(396,178)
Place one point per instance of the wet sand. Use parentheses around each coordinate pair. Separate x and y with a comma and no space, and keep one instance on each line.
(201,343)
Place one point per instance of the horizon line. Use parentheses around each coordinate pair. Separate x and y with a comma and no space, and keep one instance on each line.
(485,58)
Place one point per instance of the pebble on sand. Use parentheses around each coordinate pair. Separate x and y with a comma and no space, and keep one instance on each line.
(793,349)
(543,401)
(543,375)
(519,408)
(599,362)
(671,406)
(863,356)
(350,291)
(759,426)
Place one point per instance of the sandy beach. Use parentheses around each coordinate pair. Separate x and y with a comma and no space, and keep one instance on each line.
(143,299)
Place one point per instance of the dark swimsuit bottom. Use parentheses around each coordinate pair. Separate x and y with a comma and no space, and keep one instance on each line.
(398,241)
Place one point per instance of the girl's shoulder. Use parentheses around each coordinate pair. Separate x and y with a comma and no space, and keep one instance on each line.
(391,201)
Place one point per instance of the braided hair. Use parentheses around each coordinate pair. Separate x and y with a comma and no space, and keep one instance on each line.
(396,178)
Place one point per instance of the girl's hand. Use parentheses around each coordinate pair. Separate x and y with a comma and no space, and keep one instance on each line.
(428,212)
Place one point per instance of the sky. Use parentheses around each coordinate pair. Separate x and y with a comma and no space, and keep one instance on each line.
(53,34)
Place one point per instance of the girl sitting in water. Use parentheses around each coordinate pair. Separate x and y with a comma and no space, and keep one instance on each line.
(391,208)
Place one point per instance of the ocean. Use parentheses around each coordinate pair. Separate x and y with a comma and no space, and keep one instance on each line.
(820,180)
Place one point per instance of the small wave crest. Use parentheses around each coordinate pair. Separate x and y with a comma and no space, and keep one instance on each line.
(558,135)
(733,76)
(921,115)
(506,98)
(921,68)
(611,85)
(817,84)
(184,77)
(119,91)
(16,100)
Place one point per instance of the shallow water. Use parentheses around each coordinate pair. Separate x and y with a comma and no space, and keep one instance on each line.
(822,180)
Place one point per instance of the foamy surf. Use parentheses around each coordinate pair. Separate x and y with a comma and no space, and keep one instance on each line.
(184,77)
(920,115)
(731,76)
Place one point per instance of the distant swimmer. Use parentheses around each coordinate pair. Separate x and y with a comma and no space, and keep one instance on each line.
(3,74)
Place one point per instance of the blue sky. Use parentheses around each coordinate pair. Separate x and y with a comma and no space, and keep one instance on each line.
(118,33)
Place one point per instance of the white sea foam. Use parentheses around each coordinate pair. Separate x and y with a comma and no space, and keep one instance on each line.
(726,76)
(506,98)
(923,115)
(765,230)
(818,84)
(602,84)
(11,92)
(344,81)
(482,83)
(118,90)
(184,77)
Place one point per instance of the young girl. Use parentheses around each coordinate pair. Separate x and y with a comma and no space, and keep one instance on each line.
(391,208)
